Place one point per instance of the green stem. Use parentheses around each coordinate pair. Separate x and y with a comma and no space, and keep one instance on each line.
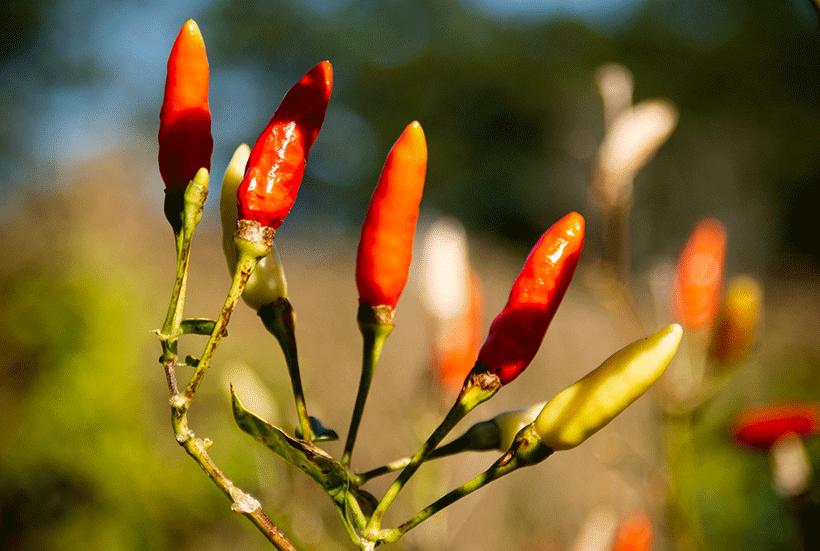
(243,503)
(280,320)
(171,328)
(451,448)
(479,387)
(376,324)
(244,268)
(183,209)
(169,333)
(525,452)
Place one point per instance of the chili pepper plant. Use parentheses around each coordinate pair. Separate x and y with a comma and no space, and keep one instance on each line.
(259,189)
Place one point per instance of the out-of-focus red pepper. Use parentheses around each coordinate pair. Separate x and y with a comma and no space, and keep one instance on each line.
(516,333)
(462,341)
(699,275)
(635,533)
(277,161)
(185,142)
(386,244)
(761,427)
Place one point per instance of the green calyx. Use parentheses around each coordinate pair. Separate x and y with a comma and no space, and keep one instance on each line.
(252,240)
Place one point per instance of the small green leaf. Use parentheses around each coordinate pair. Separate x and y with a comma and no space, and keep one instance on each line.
(320,432)
(197,326)
(367,501)
(315,462)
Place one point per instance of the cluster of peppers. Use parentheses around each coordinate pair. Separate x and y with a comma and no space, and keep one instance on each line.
(259,189)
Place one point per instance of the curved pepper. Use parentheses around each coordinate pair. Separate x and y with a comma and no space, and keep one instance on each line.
(386,244)
(699,274)
(266,283)
(516,333)
(579,411)
(185,141)
(277,161)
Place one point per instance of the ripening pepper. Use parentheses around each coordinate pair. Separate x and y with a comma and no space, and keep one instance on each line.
(579,411)
(737,323)
(386,244)
(516,333)
(266,283)
(185,141)
(277,161)
(699,275)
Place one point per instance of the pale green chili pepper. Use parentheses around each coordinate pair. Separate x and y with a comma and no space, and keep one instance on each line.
(510,423)
(497,433)
(267,281)
(579,411)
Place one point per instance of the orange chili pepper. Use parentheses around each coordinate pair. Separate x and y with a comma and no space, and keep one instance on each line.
(462,342)
(699,275)
(516,334)
(634,534)
(277,161)
(386,244)
(185,142)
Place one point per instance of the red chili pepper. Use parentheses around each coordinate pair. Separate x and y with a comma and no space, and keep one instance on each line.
(699,275)
(185,142)
(761,427)
(277,161)
(386,244)
(517,332)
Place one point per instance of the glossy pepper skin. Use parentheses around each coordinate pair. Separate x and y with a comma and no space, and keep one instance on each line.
(516,333)
(277,161)
(185,141)
(386,244)
(579,411)
(699,275)
(267,282)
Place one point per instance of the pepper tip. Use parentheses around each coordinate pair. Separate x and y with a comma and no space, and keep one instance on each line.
(192,28)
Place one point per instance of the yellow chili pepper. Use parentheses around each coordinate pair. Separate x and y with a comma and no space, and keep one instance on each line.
(579,411)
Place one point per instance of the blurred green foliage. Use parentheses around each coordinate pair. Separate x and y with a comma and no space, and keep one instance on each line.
(84,463)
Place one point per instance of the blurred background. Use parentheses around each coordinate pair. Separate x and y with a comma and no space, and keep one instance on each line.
(510,97)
